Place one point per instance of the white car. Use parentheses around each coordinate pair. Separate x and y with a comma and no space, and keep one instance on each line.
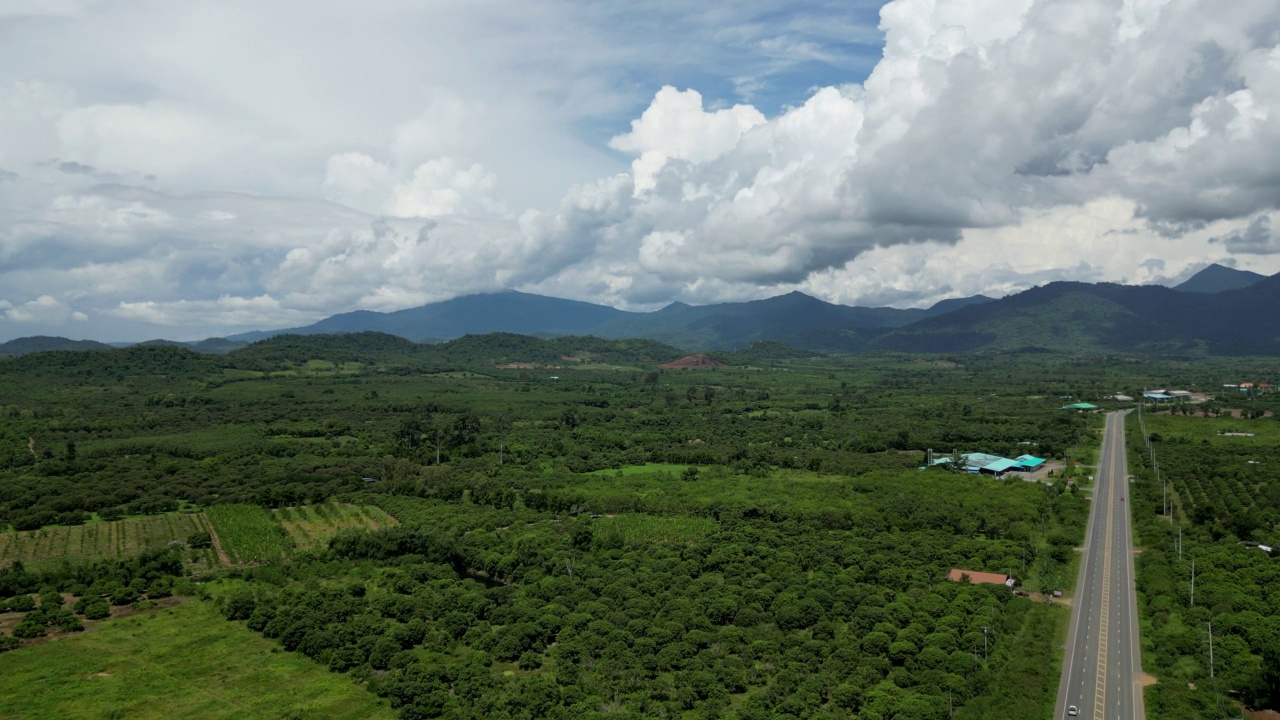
(1073,711)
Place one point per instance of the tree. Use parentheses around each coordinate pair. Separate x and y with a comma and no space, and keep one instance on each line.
(502,425)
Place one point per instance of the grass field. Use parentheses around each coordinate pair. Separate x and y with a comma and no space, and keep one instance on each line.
(645,469)
(249,534)
(180,662)
(78,543)
(311,526)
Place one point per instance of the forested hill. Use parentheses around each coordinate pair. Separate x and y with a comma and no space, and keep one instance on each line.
(1216,278)
(44,343)
(794,318)
(1092,318)
(152,361)
(350,352)
(511,312)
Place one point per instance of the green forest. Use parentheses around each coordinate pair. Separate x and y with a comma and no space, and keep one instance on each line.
(514,527)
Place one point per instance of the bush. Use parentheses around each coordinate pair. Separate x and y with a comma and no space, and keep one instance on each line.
(68,622)
(124,596)
(239,606)
(97,609)
(21,603)
(29,628)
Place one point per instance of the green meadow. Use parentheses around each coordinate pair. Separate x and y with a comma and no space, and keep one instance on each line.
(179,662)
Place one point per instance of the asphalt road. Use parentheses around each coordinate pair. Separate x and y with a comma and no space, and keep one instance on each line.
(1102,662)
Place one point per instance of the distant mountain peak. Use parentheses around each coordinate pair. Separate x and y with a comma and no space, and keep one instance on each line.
(1217,278)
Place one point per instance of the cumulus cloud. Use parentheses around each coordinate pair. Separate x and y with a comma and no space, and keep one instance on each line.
(1256,239)
(45,309)
(227,312)
(676,127)
(993,145)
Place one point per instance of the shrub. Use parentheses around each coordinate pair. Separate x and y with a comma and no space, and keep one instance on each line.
(97,609)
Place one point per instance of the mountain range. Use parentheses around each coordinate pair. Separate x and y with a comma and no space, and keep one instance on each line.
(1218,311)
(1216,278)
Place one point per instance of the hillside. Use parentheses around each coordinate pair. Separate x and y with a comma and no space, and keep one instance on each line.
(795,318)
(510,312)
(45,343)
(1216,278)
(114,364)
(1080,317)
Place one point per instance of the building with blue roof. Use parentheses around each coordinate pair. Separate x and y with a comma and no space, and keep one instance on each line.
(1029,463)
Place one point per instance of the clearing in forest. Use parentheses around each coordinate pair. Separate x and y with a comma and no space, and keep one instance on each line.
(48,546)
(311,526)
(249,534)
(640,528)
(252,534)
(180,662)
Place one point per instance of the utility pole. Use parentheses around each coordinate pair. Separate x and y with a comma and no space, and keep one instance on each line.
(1210,649)
(984,640)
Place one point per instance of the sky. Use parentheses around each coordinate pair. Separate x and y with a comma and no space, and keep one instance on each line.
(197,169)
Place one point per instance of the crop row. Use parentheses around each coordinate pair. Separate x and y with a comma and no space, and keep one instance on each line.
(311,526)
(249,534)
(75,543)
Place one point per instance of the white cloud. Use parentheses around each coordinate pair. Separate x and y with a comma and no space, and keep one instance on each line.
(44,309)
(225,312)
(675,127)
(160,138)
(447,187)
(230,165)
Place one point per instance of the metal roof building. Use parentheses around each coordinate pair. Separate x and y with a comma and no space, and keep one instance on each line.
(1029,462)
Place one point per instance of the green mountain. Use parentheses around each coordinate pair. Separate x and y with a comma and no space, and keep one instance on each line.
(1104,317)
(795,318)
(45,343)
(110,364)
(510,311)
(1216,278)
(475,352)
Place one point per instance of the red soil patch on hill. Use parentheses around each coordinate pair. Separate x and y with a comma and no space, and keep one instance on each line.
(698,360)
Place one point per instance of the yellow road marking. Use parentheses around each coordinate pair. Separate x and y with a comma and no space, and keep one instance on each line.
(1100,680)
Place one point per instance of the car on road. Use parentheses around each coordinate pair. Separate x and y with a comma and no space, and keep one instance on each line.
(1073,711)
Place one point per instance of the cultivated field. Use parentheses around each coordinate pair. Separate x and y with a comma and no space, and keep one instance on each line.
(181,662)
(79,543)
(249,534)
(311,526)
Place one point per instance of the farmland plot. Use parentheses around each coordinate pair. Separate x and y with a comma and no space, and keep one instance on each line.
(78,543)
(249,534)
(311,526)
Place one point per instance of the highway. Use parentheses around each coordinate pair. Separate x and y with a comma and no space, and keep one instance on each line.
(1102,661)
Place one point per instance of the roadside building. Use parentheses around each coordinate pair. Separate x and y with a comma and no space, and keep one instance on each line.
(1082,406)
(1029,463)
